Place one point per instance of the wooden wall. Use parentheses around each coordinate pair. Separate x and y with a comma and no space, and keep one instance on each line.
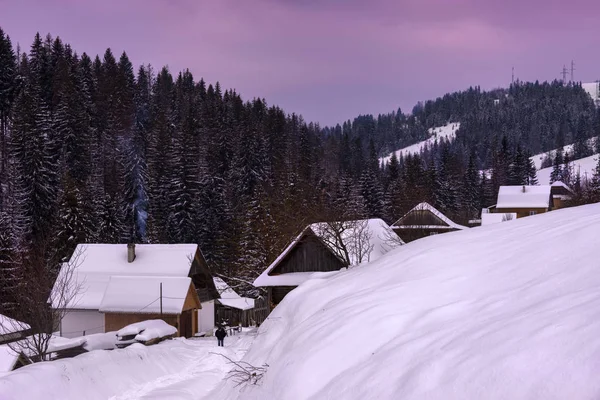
(521,212)
(116,321)
(408,235)
(420,217)
(309,255)
(277,293)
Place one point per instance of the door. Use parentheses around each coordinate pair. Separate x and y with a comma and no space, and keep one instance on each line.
(185,329)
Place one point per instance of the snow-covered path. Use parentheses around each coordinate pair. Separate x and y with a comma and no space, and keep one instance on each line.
(200,377)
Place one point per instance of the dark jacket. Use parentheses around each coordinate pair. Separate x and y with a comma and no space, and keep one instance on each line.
(220,333)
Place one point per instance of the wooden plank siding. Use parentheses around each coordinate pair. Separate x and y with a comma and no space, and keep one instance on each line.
(522,212)
(309,255)
(420,217)
(408,235)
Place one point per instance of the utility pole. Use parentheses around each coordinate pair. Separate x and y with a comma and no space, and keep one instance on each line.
(564,74)
(572,71)
(161,299)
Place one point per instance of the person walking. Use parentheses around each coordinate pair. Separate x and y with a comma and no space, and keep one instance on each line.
(220,334)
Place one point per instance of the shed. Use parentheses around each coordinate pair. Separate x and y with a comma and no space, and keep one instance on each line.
(232,307)
(12,330)
(424,220)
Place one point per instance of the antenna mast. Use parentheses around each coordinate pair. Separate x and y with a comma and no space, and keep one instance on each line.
(513,75)
(572,71)
(564,74)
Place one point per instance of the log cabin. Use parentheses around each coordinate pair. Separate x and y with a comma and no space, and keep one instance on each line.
(96,268)
(324,248)
(231,308)
(424,220)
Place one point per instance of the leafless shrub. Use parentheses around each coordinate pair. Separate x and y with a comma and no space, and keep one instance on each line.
(244,373)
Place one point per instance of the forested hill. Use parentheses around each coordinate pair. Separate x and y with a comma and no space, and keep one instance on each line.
(95,150)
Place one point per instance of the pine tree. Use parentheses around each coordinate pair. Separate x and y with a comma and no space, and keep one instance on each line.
(557,166)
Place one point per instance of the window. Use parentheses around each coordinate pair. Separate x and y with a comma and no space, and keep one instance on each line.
(532,212)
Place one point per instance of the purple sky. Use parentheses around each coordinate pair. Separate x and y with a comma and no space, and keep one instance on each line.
(330,60)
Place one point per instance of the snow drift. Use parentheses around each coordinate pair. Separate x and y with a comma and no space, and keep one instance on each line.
(508,311)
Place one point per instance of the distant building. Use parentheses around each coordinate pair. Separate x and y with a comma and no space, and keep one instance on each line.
(233,308)
(324,248)
(118,284)
(424,220)
(532,200)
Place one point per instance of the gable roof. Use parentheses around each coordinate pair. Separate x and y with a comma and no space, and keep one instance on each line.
(9,325)
(97,263)
(381,238)
(424,206)
(230,298)
(524,197)
(141,294)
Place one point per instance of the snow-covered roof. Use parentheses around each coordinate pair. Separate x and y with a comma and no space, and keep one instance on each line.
(9,325)
(524,197)
(230,298)
(96,264)
(8,358)
(424,206)
(381,238)
(142,294)
(495,218)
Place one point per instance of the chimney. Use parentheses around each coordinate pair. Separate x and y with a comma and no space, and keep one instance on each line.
(130,252)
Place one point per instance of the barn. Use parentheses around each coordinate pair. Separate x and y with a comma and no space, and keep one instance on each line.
(424,220)
(325,247)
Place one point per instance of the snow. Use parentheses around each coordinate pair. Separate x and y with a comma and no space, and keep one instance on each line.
(147,330)
(141,294)
(8,359)
(9,325)
(428,207)
(495,218)
(585,166)
(447,132)
(381,237)
(57,343)
(242,303)
(539,158)
(174,369)
(98,262)
(523,197)
(230,298)
(508,311)
(592,89)
(100,341)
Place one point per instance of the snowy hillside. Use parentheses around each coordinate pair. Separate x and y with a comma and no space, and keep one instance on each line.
(441,132)
(539,158)
(585,166)
(593,90)
(509,311)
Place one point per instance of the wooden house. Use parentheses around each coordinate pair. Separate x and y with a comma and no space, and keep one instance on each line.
(524,200)
(325,248)
(424,220)
(232,308)
(136,271)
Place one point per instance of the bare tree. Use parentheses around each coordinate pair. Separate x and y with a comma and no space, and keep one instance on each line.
(245,373)
(42,302)
(350,240)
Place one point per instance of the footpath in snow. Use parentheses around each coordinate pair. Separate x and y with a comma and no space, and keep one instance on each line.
(174,369)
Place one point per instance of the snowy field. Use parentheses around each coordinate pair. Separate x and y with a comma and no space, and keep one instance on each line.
(508,311)
(174,369)
(585,166)
(447,132)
